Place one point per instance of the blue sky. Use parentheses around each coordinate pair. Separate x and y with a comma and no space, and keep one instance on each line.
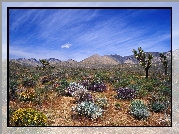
(79,33)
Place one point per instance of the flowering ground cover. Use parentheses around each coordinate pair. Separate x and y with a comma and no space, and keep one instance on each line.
(70,96)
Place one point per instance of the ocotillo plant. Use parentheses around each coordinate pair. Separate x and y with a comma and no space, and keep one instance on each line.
(164,60)
(144,61)
(44,63)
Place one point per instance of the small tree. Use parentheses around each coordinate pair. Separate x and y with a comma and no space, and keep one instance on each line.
(44,63)
(164,60)
(144,61)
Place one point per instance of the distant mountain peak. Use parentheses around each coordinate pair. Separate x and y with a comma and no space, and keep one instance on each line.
(95,60)
(95,55)
(99,60)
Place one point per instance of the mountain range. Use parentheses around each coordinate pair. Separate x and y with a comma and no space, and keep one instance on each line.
(92,60)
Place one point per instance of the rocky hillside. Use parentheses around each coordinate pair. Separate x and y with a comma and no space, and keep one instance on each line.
(99,60)
(34,62)
(94,60)
(27,62)
(126,59)
(132,60)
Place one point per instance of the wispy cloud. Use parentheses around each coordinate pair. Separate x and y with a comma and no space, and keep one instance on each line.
(92,31)
(67,45)
(50,35)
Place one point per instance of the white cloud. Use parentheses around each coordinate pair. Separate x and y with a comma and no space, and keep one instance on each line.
(67,45)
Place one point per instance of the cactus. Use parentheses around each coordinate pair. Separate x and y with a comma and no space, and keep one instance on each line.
(44,63)
(144,61)
(164,60)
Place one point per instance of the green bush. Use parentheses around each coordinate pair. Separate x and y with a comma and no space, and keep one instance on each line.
(124,82)
(166,91)
(139,110)
(134,86)
(142,93)
(149,88)
(13,86)
(158,106)
(62,87)
(88,109)
(28,117)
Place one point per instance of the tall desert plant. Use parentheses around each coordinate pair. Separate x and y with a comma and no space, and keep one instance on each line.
(144,61)
(44,63)
(163,59)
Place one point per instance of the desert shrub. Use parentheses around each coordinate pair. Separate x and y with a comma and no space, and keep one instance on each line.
(28,117)
(142,93)
(45,80)
(139,110)
(85,83)
(13,85)
(27,95)
(158,97)
(70,91)
(149,88)
(29,83)
(134,86)
(36,76)
(63,84)
(61,90)
(82,95)
(11,111)
(155,82)
(124,82)
(101,102)
(113,80)
(88,109)
(98,75)
(105,78)
(97,86)
(165,91)
(126,93)
(157,106)
(94,85)
(39,92)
